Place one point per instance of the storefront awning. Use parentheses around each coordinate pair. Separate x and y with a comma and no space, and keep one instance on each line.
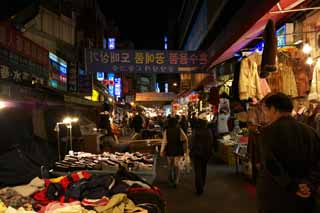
(219,54)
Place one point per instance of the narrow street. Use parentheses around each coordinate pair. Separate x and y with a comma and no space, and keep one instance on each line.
(225,192)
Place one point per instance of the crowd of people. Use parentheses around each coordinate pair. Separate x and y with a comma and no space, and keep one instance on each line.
(289,168)
(181,136)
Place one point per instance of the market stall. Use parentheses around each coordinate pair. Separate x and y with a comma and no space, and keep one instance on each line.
(142,164)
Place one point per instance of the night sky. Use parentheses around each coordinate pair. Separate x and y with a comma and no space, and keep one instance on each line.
(143,22)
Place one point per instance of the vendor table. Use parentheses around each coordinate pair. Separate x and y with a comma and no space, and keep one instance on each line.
(147,174)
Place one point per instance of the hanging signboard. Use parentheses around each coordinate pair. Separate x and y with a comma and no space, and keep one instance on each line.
(14,41)
(154,97)
(58,72)
(142,61)
(85,82)
(72,78)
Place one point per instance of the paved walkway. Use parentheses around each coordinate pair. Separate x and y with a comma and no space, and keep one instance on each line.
(225,192)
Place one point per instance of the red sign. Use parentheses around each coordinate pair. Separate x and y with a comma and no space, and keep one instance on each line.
(193,98)
(107,82)
(13,40)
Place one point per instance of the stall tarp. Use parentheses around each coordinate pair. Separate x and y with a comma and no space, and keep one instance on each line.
(17,167)
(21,153)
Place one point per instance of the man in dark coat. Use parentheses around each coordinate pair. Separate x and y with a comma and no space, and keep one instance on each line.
(290,167)
(200,152)
(137,123)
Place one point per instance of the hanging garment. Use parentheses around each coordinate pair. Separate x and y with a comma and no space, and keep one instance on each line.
(223,123)
(315,84)
(302,72)
(224,89)
(249,81)
(275,82)
(265,89)
(289,86)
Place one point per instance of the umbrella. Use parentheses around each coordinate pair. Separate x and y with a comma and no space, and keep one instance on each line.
(268,63)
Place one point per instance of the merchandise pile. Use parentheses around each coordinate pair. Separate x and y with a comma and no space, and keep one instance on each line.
(84,192)
(106,161)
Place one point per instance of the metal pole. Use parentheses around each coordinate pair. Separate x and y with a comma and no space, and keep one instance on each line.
(295,10)
(58,135)
(71,136)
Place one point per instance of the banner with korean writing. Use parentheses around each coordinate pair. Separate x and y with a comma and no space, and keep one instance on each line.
(14,41)
(144,61)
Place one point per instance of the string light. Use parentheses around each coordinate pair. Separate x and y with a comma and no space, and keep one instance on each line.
(2,104)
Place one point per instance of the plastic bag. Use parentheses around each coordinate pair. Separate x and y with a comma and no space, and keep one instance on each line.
(185,164)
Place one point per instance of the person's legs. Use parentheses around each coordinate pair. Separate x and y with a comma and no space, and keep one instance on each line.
(204,171)
(171,169)
(198,175)
(176,170)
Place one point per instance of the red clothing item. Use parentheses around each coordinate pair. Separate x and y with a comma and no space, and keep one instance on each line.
(154,190)
(74,177)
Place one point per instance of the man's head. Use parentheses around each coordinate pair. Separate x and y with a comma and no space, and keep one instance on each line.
(277,105)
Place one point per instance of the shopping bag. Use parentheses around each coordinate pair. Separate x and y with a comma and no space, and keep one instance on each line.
(185,164)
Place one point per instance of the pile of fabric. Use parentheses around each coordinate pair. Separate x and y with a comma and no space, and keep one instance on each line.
(84,192)
(106,161)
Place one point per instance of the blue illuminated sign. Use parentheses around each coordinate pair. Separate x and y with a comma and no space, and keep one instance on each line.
(117,87)
(54,83)
(59,72)
(166,87)
(111,43)
(281,36)
(260,46)
(100,76)
(111,87)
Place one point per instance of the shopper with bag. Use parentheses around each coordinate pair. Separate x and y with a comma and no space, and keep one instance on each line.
(200,152)
(174,145)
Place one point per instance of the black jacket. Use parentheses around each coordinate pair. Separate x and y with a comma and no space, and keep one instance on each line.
(201,143)
(290,153)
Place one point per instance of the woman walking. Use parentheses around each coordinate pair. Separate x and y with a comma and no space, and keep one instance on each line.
(200,152)
(174,145)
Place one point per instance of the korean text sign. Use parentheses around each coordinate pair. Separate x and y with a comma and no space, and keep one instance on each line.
(142,61)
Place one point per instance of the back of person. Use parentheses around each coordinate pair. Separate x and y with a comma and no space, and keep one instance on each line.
(296,148)
(298,151)
(137,123)
(201,143)
(289,169)
(174,146)
(184,125)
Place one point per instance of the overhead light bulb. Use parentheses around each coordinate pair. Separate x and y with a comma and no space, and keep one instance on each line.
(67,120)
(2,104)
(309,61)
(306,48)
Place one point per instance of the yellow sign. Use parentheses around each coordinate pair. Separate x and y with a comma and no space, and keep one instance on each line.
(95,95)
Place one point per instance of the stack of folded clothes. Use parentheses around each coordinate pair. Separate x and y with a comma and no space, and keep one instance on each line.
(106,161)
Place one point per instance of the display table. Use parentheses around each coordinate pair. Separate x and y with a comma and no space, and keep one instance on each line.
(140,164)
